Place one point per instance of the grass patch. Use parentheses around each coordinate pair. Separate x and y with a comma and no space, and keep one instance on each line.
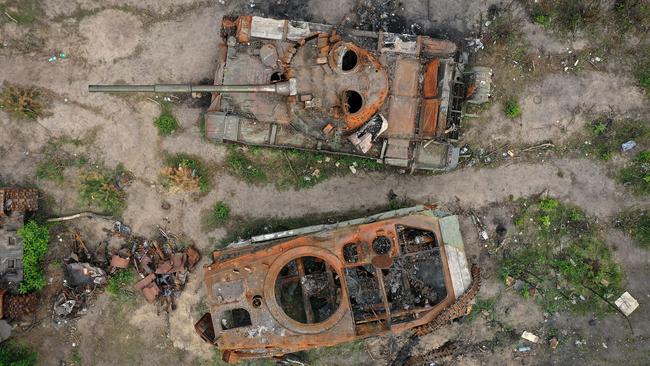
(15,354)
(605,136)
(636,174)
(166,122)
(59,155)
(186,173)
(561,255)
(120,285)
(563,16)
(22,11)
(642,71)
(35,243)
(632,14)
(512,109)
(354,352)
(291,168)
(637,224)
(217,216)
(22,103)
(99,189)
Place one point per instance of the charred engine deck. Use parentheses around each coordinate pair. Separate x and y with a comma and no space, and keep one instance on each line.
(323,285)
(390,97)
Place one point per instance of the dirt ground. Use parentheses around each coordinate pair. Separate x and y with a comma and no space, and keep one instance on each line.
(175,41)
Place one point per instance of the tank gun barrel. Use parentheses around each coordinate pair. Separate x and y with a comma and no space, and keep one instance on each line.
(281,88)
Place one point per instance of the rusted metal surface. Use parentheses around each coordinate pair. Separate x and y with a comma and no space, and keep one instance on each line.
(279,296)
(20,200)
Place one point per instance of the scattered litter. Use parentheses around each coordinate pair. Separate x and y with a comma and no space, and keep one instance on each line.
(353,169)
(524,349)
(626,303)
(553,343)
(530,337)
(627,146)
(604,345)
(580,342)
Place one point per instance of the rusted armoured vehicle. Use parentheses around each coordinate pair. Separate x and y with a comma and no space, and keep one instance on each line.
(394,98)
(323,285)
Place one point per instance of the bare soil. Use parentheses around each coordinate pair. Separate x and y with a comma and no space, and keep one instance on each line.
(148,41)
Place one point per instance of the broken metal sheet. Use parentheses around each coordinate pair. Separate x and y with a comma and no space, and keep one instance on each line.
(119,262)
(81,274)
(455,248)
(267,28)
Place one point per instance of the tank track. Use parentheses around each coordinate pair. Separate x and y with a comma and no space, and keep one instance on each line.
(456,310)
(446,350)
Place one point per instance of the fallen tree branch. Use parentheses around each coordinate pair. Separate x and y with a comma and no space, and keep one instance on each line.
(88,215)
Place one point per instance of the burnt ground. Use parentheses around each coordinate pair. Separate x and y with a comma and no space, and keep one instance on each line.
(148,41)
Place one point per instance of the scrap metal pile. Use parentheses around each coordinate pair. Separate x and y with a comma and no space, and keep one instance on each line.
(162,265)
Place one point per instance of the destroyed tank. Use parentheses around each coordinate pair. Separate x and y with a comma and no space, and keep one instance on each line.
(394,98)
(322,285)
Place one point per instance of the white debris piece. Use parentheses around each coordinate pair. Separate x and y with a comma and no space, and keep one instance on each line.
(626,303)
(353,169)
(530,337)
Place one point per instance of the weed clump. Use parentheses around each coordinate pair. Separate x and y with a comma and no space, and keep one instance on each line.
(217,216)
(14,354)
(643,71)
(166,122)
(637,224)
(605,136)
(186,173)
(512,109)
(22,103)
(637,173)
(58,158)
(35,243)
(243,167)
(100,189)
(560,259)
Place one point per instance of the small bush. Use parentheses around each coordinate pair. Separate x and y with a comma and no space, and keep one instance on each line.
(35,242)
(186,173)
(220,212)
(166,122)
(637,224)
(99,189)
(14,354)
(637,173)
(543,20)
(24,103)
(512,109)
(120,284)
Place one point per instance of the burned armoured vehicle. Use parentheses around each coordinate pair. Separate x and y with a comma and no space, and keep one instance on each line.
(323,285)
(394,98)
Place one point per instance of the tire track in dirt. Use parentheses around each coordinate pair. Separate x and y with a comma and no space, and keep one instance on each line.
(581,182)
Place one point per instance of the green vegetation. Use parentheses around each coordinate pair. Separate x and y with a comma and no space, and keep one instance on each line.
(637,224)
(35,242)
(120,285)
(21,11)
(76,357)
(291,168)
(99,189)
(632,14)
(560,254)
(605,136)
(217,216)
(186,173)
(22,103)
(636,174)
(59,155)
(166,122)
(354,352)
(563,16)
(512,109)
(15,354)
(483,305)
